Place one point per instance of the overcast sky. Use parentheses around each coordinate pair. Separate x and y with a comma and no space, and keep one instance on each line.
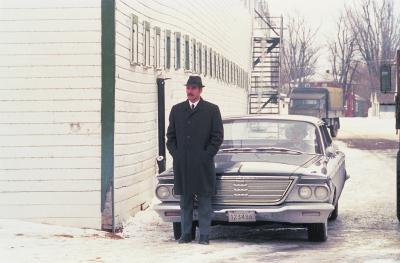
(320,14)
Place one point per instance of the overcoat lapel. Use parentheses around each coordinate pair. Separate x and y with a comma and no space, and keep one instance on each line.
(189,112)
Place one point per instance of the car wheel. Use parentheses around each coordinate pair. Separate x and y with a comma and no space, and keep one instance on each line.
(335,212)
(176,226)
(317,232)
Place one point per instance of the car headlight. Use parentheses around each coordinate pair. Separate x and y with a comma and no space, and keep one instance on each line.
(321,192)
(162,192)
(305,192)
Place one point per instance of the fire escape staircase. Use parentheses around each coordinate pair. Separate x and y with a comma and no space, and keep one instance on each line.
(266,72)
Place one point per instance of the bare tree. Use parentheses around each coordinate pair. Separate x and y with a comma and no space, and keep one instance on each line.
(342,54)
(300,53)
(377,28)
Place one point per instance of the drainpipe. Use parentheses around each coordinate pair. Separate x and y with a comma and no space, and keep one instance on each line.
(161,162)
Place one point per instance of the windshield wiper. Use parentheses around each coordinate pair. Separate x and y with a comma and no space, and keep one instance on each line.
(278,149)
(237,149)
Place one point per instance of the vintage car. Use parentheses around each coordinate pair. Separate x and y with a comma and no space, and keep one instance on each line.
(270,168)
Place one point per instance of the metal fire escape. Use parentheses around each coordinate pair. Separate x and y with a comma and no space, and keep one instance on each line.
(266,72)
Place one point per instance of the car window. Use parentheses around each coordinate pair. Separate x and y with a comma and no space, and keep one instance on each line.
(325,135)
(328,136)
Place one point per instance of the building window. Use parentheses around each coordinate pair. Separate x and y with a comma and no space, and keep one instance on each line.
(194,56)
(177,50)
(187,53)
(240,77)
(235,74)
(231,73)
(239,83)
(246,80)
(205,60)
(228,71)
(214,65)
(157,48)
(168,49)
(219,67)
(200,58)
(134,40)
(223,68)
(146,53)
(211,63)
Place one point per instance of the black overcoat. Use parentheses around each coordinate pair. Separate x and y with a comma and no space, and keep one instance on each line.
(193,139)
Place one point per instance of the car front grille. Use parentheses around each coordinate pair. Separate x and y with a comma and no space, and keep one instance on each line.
(251,190)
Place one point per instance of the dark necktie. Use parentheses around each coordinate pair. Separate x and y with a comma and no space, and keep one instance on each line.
(192,106)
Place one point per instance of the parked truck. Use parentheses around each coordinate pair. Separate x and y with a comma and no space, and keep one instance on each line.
(325,103)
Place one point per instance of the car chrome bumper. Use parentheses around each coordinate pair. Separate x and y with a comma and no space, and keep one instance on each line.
(296,213)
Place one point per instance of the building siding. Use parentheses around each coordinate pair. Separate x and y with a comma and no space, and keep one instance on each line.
(50,123)
(136,142)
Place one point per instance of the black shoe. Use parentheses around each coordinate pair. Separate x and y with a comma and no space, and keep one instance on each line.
(185,238)
(204,240)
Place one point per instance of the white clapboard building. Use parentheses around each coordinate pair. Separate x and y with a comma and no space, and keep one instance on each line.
(78,97)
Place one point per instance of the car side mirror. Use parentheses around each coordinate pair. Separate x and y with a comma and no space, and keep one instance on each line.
(386,78)
(331,151)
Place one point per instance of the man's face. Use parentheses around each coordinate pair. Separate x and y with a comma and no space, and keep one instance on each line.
(193,92)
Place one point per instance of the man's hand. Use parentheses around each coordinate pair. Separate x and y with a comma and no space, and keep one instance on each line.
(171,133)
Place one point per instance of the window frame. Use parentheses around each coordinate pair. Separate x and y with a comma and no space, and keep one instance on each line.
(146,44)
(193,55)
(205,61)
(168,46)
(199,58)
(325,135)
(187,53)
(211,62)
(134,40)
(178,51)
(157,48)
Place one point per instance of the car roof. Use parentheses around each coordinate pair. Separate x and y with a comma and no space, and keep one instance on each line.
(310,119)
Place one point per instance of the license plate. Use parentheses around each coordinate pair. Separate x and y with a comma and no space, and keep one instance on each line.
(241,216)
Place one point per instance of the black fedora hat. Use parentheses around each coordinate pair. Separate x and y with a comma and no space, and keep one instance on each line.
(194,81)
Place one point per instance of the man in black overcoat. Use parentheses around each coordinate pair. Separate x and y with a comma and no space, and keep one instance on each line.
(194,135)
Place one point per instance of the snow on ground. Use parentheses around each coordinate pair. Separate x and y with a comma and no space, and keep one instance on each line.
(366,230)
(372,127)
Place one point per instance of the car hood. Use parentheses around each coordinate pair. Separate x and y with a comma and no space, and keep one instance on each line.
(265,163)
(260,163)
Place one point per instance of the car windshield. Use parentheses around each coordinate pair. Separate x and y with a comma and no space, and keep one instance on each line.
(305,103)
(268,135)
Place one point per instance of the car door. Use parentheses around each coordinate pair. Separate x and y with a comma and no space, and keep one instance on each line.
(335,164)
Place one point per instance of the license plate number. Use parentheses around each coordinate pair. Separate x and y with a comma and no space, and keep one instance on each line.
(241,216)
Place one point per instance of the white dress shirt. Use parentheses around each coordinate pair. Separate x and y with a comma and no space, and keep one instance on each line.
(195,103)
